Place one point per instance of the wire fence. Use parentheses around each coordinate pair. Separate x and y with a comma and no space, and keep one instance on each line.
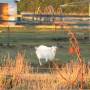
(45,23)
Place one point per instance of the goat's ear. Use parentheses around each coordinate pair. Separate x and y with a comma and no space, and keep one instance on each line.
(35,48)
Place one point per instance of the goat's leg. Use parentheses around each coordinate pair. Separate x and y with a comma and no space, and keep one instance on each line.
(46,59)
(40,62)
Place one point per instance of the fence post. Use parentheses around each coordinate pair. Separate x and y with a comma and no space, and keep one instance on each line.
(8,36)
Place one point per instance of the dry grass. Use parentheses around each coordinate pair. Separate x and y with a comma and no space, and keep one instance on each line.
(20,76)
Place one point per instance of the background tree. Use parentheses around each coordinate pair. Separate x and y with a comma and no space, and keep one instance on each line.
(32,5)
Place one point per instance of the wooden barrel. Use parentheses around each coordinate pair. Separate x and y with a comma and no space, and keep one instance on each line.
(4,13)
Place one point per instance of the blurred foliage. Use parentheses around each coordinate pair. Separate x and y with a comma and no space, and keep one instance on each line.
(32,5)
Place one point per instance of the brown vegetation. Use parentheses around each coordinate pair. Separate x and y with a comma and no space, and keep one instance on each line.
(20,76)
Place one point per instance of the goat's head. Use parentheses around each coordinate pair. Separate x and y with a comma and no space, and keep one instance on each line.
(54,48)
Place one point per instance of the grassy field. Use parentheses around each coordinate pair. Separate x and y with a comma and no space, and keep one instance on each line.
(21,71)
(26,41)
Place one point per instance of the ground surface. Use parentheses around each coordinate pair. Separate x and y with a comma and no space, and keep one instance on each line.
(26,41)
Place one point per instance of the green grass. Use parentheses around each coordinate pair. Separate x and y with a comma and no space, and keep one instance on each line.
(23,40)
(62,55)
(30,37)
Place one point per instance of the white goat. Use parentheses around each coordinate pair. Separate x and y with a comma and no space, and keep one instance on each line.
(44,52)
